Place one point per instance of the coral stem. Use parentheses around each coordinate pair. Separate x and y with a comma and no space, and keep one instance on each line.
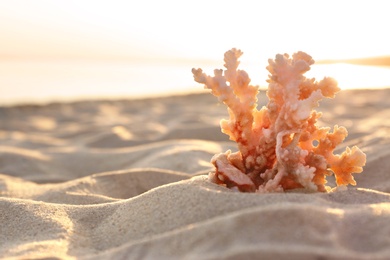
(275,143)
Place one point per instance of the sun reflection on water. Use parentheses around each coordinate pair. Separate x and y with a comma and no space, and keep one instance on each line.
(351,76)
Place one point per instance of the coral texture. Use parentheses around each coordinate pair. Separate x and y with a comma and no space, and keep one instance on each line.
(280,146)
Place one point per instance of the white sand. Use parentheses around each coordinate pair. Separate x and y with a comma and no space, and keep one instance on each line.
(125,180)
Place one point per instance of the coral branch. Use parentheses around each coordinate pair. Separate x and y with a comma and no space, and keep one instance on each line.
(276,143)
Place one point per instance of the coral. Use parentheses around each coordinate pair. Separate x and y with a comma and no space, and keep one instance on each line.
(280,146)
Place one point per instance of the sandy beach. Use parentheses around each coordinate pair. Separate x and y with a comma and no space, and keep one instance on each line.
(127,179)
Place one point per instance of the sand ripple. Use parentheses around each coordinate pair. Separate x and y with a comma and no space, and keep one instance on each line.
(126,180)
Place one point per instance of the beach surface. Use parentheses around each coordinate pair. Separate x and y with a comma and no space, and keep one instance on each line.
(127,179)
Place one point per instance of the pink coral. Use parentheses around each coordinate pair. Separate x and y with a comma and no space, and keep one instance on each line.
(280,145)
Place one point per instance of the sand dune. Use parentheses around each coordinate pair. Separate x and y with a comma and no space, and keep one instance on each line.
(126,179)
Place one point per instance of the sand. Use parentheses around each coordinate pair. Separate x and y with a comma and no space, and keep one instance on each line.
(126,179)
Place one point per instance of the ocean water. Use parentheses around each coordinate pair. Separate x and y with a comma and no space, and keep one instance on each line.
(52,81)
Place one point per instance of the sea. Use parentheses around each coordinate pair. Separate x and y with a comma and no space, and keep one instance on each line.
(37,82)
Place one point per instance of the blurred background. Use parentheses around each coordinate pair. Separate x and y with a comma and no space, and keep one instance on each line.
(72,50)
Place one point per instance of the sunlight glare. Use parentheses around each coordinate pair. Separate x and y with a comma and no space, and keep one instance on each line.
(351,76)
(201,29)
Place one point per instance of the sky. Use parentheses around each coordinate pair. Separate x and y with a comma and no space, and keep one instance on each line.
(182,30)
